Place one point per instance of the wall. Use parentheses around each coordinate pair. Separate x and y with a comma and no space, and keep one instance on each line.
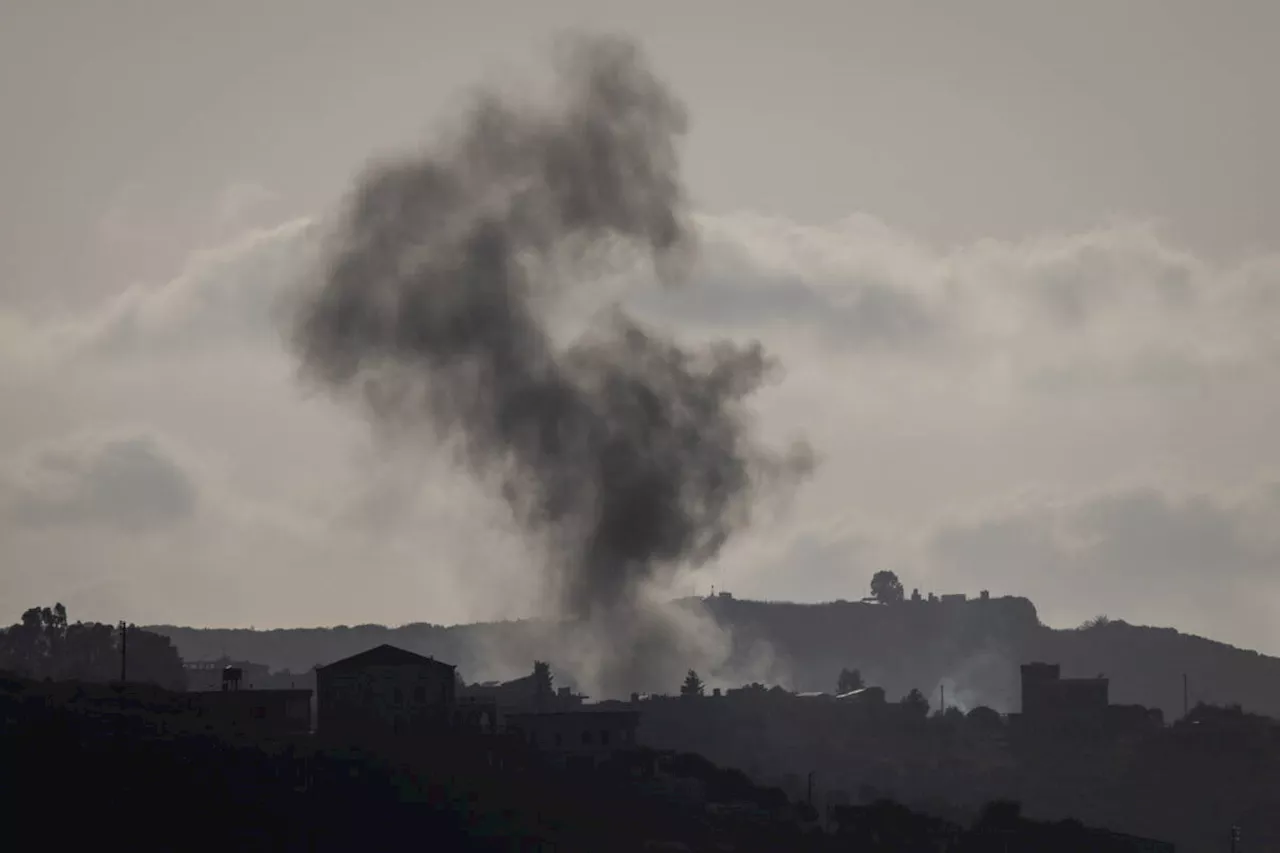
(589,735)
(263,712)
(400,698)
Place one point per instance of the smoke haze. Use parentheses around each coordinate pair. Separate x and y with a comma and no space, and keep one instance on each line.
(622,453)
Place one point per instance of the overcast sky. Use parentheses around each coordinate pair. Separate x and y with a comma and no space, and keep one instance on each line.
(1021,261)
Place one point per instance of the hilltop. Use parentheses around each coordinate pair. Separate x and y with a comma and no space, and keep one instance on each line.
(973,648)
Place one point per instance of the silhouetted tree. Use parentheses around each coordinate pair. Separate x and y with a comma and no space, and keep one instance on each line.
(154,660)
(915,704)
(850,679)
(984,718)
(43,645)
(886,588)
(915,595)
(692,685)
(542,682)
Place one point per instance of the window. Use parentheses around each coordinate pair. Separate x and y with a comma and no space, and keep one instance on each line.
(419,694)
(559,739)
(399,696)
(586,736)
(604,737)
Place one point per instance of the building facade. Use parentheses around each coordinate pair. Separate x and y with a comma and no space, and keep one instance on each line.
(267,713)
(385,690)
(578,738)
(1048,699)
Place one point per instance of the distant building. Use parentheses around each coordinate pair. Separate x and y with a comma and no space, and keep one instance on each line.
(253,712)
(477,714)
(1050,699)
(384,690)
(527,694)
(207,675)
(582,738)
(954,598)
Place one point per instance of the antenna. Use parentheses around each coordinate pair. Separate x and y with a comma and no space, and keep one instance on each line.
(124,650)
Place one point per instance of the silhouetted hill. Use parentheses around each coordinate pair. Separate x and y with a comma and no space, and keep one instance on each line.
(971,647)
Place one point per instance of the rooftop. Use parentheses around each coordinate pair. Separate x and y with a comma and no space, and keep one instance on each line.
(579,713)
(386,655)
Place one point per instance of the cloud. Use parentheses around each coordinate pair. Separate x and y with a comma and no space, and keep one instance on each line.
(1139,553)
(132,483)
(1079,417)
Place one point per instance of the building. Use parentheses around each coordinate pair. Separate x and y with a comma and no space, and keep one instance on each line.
(865,696)
(385,690)
(531,693)
(578,738)
(1048,699)
(208,675)
(266,713)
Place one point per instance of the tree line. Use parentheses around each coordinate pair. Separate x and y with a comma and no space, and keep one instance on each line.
(45,645)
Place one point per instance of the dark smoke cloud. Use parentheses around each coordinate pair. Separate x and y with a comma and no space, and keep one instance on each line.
(627,453)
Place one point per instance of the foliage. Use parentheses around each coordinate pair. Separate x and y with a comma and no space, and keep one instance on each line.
(886,588)
(44,645)
(915,704)
(1099,621)
(849,680)
(542,679)
(692,686)
(984,718)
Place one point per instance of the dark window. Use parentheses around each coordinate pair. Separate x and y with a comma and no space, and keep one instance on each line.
(399,696)
(559,739)
(420,693)
(604,737)
(586,736)
(258,712)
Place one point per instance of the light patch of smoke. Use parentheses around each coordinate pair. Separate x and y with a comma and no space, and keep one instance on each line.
(985,678)
(627,456)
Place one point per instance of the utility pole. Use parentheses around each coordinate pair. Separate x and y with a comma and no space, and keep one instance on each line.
(124,650)
(942,698)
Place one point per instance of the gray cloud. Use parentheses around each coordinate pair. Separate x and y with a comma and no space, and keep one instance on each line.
(971,386)
(130,484)
(1141,554)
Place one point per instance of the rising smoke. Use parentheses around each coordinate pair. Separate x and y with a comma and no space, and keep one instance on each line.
(627,455)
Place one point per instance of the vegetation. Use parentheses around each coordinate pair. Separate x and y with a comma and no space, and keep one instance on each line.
(849,680)
(915,703)
(692,685)
(44,645)
(886,588)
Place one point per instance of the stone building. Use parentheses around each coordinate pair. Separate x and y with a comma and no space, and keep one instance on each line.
(385,690)
(582,738)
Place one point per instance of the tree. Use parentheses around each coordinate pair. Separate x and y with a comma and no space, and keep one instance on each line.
(984,718)
(849,680)
(44,645)
(886,588)
(692,685)
(542,682)
(915,704)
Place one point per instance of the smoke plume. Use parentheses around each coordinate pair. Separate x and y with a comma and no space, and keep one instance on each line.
(625,454)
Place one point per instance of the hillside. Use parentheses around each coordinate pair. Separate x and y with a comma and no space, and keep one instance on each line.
(972,648)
